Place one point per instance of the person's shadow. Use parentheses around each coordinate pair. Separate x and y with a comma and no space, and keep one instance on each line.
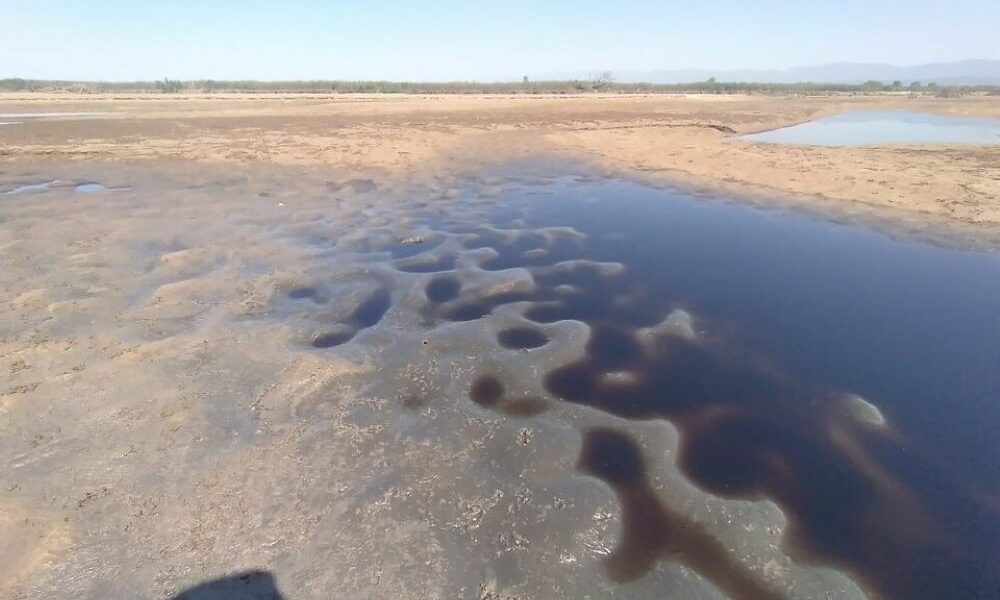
(252,585)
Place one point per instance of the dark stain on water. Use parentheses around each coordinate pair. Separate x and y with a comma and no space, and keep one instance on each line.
(798,314)
(613,348)
(332,339)
(413,401)
(651,531)
(468,311)
(527,406)
(443,289)
(487,390)
(368,313)
(307,293)
(522,338)
(372,309)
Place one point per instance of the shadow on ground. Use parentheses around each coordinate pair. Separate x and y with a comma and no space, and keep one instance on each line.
(251,585)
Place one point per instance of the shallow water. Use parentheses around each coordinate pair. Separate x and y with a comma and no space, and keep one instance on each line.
(846,375)
(516,346)
(870,128)
(31,188)
(808,315)
(89,187)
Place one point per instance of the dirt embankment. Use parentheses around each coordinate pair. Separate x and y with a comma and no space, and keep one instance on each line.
(690,139)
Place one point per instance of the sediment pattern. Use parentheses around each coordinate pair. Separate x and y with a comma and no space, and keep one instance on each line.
(404,392)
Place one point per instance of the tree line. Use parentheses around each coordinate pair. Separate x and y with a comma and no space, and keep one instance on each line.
(602,83)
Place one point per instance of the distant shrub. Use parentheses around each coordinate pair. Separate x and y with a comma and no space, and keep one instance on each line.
(15,85)
(169,86)
(949,92)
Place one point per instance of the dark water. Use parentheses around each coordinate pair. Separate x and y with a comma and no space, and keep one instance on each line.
(795,315)
(488,391)
(442,290)
(522,338)
(367,314)
(651,529)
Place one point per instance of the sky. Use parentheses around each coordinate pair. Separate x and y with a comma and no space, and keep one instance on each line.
(437,40)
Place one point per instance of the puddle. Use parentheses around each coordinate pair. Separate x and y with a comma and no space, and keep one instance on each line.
(885,127)
(31,188)
(522,338)
(89,188)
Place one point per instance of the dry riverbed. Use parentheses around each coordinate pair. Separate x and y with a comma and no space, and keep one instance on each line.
(689,139)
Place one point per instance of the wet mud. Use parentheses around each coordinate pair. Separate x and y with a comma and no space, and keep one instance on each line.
(603,387)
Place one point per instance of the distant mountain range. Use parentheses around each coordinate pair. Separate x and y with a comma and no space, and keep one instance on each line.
(963,72)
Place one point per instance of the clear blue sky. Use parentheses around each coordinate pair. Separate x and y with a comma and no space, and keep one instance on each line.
(449,40)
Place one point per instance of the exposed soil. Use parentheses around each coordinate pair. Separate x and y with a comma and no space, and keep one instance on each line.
(661,138)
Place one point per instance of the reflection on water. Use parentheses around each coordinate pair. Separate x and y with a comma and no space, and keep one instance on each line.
(818,335)
(885,127)
(846,376)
